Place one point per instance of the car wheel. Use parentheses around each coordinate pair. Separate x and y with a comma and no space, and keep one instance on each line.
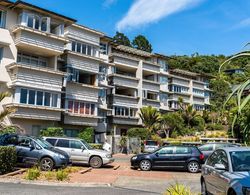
(203,188)
(193,167)
(231,192)
(46,164)
(145,165)
(95,162)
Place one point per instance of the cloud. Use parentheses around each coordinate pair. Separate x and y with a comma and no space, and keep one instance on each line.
(108,3)
(144,12)
(242,24)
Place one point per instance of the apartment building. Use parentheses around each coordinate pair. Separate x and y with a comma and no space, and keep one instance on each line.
(64,74)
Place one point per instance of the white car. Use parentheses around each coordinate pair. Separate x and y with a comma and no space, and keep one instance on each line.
(150,146)
(80,151)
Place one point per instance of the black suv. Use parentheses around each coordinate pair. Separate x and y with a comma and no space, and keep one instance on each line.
(172,157)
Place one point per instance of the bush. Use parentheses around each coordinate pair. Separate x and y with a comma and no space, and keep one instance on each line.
(8,159)
(9,129)
(96,146)
(87,134)
(62,175)
(198,123)
(52,131)
(50,175)
(33,173)
(214,127)
(178,189)
(72,169)
(157,138)
(139,132)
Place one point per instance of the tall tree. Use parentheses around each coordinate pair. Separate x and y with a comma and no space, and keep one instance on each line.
(141,42)
(150,117)
(121,39)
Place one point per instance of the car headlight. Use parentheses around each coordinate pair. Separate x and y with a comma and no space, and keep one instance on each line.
(61,156)
(108,155)
(245,190)
(134,157)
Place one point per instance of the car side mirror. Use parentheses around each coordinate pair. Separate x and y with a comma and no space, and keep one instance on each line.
(32,146)
(220,167)
(83,148)
(157,154)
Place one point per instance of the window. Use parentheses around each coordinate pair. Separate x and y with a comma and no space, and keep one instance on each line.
(78,47)
(84,48)
(54,100)
(76,106)
(24,141)
(73,46)
(32,60)
(182,150)
(89,52)
(23,97)
(75,144)
(39,98)
(87,109)
(1,54)
(104,48)
(206,147)
(218,157)
(47,99)
(71,132)
(123,111)
(92,109)
(163,97)
(63,143)
(51,141)
(32,95)
(2,19)
(163,80)
(81,108)
(70,106)
(166,150)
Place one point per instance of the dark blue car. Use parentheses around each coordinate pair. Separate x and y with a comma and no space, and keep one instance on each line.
(170,157)
(35,151)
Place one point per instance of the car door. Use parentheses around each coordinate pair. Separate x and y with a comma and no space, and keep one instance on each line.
(63,144)
(27,151)
(79,153)
(216,181)
(181,156)
(163,157)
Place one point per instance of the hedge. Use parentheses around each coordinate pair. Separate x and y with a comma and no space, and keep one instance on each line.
(96,146)
(8,159)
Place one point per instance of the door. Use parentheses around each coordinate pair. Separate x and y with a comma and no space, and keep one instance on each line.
(63,144)
(181,156)
(163,157)
(79,153)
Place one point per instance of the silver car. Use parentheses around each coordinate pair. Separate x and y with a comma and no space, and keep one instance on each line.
(227,171)
(80,151)
(150,146)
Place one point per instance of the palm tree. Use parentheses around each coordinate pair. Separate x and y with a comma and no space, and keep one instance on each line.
(6,111)
(150,117)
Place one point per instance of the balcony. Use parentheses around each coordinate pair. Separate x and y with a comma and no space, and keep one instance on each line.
(33,40)
(151,67)
(123,80)
(153,103)
(123,100)
(125,120)
(175,97)
(180,82)
(33,112)
(198,85)
(80,91)
(151,85)
(81,120)
(125,60)
(197,100)
(35,76)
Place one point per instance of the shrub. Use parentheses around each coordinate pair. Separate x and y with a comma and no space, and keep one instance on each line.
(33,173)
(213,127)
(198,123)
(9,129)
(72,169)
(7,159)
(138,132)
(50,175)
(62,175)
(96,146)
(178,189)
(52,131)
(157,138)
(87,134)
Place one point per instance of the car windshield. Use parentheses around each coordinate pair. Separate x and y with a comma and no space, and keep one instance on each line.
(240,160)
(43,143)
(86,145)
(151,143)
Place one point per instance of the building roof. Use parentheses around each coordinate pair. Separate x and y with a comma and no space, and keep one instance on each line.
(23,4)
(133,51)
(88,29)
(184,72)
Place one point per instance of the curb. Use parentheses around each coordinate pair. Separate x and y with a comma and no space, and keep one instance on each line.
(62,184)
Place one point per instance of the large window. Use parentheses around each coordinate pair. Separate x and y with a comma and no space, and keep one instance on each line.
(39,98)
(124,111)
(84,49)
(104,48)
(31,60)
(2,19)
(83,108)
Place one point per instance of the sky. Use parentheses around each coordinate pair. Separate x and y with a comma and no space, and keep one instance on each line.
(173,27)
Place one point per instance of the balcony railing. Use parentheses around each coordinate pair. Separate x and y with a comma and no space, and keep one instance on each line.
(151,67)
(123,100)
(122,80)
(151,85)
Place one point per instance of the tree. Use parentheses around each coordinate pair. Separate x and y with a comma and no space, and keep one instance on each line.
(121,39)
(140,42)
(87,134)
(150,117)
(6,111)
(52,131)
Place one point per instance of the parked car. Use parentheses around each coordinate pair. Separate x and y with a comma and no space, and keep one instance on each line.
(227,171)
(172,157)
(208,148)
(35,151)
(80,151)
(150,146)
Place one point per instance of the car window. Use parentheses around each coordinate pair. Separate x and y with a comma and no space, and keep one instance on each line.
(63,143)
(218,157)
(206,147)
(24,141)
(52,141)
(166,150)
(240,160)
(75,144)
(151,143)
(183,150)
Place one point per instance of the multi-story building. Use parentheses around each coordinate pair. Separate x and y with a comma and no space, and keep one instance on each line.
(64,74)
